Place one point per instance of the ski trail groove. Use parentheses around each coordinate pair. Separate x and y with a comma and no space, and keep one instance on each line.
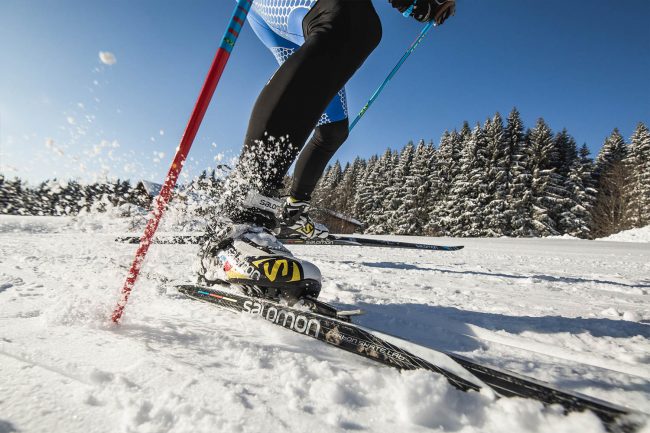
(481,334)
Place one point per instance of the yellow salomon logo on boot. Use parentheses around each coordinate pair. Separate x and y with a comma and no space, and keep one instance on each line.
(280,270)
(307,229)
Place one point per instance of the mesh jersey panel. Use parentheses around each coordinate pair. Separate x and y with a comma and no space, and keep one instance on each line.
(281,54)
(278,24)
(277,13)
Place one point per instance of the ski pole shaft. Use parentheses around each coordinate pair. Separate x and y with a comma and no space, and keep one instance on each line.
(160,202)
(399,64)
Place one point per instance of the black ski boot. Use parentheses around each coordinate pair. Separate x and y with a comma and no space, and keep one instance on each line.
(245,252)
(296,222)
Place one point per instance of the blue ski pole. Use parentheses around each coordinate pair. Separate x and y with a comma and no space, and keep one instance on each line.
(399,64)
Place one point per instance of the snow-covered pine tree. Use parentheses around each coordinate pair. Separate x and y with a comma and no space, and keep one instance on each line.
(448,149)
(587,173)
(413,212)
(324,193)
(567,152)
(449,166)
(611,175)
(518,213)
(364,203)
(582,196)
(614,150)
(382,176)
(317,194)
(441,183)
(475,210)
(361,166)
(570,216)
(638,185)
(12,197)
(346,189)
(33,202)
(468,192)
(431,190)
(4,194)
(337,202)
(547,189)
(71,196)
(397,193)
(452,209)
(497,170)
(48,192)
(584,156)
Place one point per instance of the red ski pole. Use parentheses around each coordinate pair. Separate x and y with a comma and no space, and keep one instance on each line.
(160,202)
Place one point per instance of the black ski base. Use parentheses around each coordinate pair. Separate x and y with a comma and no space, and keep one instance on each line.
(384,349)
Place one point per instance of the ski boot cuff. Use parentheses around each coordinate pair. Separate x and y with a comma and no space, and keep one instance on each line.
(293,209)
(259,210)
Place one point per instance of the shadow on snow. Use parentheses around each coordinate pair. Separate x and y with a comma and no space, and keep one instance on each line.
(551,278)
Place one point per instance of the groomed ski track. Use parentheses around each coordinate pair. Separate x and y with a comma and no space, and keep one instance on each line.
(176,365)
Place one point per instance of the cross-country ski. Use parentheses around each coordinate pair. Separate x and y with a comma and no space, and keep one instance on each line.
(330,240)
(332,328)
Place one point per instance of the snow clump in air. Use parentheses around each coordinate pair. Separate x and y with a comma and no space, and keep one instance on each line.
(49,143)
(107,58)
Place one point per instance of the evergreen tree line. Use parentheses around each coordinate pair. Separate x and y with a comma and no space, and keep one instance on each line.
(493,179)
(54,197)
(497,179)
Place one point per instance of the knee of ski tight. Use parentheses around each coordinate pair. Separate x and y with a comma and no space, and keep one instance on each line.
(331,136)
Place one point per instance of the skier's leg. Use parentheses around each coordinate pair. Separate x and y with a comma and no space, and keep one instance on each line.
(272,34)
(296,221)
(329,135)
(247,253)
(315,156)
(339,36)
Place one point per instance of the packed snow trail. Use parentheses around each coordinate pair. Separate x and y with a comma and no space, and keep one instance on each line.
(175,365)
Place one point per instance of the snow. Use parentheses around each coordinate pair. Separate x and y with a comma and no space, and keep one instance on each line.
(49,143)
(641,234)
(107,58)
(571,312)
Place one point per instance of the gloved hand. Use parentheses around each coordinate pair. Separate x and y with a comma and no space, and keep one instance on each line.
(426,10)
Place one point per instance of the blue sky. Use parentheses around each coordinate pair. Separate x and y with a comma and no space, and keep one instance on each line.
(580,64)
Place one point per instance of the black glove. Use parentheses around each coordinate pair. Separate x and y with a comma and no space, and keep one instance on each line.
(426,10)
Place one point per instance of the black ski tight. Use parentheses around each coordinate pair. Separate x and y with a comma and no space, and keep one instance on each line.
(314,157)
(339,36)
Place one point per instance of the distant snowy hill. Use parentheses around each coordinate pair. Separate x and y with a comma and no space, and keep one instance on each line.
(571,312)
